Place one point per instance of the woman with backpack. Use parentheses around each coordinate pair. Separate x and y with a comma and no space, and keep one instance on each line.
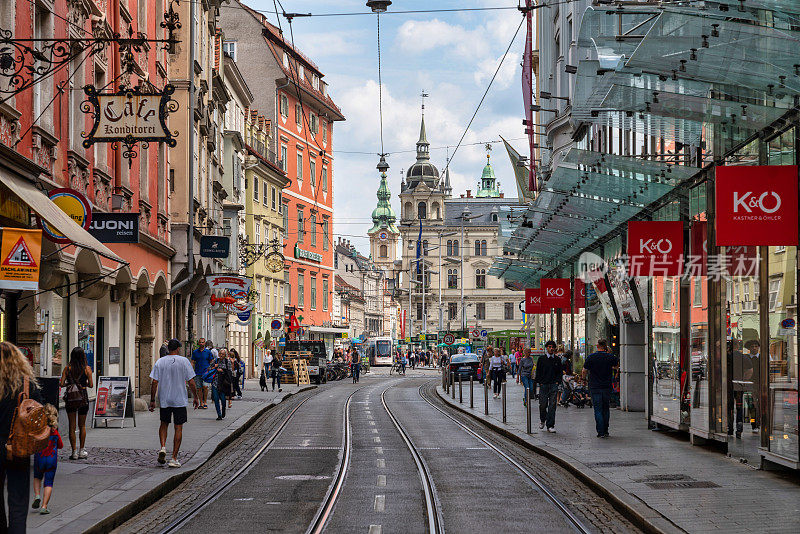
(238,372)
(16,375)
(221,384)
(276,371)
(77,379)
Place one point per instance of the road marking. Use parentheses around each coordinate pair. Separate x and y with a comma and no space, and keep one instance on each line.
(250,498)
(374,529)
(381,463)
(378,450)
(376,440)
(372,423)
(305,443)
(374,430)
(380,503)
(381,480)
(302,477)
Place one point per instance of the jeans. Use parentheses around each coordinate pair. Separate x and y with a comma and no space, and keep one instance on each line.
(527,385)
(355,369)
(513,366)
(219,398)
(276,376)
(17,475)
(402,368)
(548,399)
(601,401)
(236,388)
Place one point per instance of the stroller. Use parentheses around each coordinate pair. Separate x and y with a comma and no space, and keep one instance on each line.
(579,394)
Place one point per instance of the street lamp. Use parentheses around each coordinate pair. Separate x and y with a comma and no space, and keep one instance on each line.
(379,6)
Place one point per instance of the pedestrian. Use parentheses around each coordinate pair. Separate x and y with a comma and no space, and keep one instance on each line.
(45,463)
(277,369)
(77,378)
(202,358)
(567,377)
(548,376)
(403,363)
(170,375)
(355,365)
(15,374)
(600,366)
(210,347)
(496,370)
(238,371)
(525,375)
(265,372)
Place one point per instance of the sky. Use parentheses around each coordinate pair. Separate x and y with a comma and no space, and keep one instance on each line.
(451,56)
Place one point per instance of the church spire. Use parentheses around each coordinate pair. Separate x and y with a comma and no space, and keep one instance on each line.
(423,147)
(383,215)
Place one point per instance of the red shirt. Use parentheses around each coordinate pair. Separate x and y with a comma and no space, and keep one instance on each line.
(53,444)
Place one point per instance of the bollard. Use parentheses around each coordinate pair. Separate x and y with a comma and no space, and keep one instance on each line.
(460,397)
(503,392)
(453,386)
(486,396)
(444,381)
(471,403)
(528,409)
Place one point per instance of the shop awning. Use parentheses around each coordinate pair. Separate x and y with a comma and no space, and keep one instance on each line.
(53,215)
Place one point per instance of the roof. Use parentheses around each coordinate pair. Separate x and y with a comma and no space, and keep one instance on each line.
(483,207)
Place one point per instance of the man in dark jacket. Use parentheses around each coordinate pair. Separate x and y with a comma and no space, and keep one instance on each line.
(601,365)
(548,376)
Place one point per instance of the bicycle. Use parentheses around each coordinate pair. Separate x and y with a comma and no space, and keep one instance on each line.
(395,368)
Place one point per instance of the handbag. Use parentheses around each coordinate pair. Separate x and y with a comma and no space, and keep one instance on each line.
(30,432)
(75,396)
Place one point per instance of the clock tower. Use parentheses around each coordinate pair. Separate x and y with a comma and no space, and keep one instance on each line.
(384,235)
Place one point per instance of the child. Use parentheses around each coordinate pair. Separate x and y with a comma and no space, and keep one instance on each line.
(45,462)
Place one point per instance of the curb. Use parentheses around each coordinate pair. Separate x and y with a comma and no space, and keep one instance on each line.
(634,509)
(151,496)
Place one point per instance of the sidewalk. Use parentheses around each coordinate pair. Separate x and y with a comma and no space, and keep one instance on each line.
(659,475)
(122,461)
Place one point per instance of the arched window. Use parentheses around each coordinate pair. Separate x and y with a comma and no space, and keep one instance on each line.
(435,210)
(452,279)
(455,247)
(494,217)
(408,210)
(477,247)
(425,247)
(422,210)
(449,247)
(480,278)
(483,247)
(384,251)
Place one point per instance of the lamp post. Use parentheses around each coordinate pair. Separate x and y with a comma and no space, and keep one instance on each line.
(441,314)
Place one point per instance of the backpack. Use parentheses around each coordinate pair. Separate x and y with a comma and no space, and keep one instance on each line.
(75,396)
(30,432)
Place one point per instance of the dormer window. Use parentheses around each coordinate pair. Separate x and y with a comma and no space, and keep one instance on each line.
(286,60)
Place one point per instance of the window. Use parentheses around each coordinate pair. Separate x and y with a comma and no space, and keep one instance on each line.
(452,278)
(422,210)
(774,293)
(274,198)
(452,311)
(300,166)
(284,105)
(255,189)
(285,60)
(325,179)
(313,292)
(324,294)
(285,219)
(698,293)
(287,293)
(283,161)
(508,311)
(313,172)
(324,132)
(301,230)
(449,247)
(301,289)
(265,197)
(326,236)
(477,247)
(314,124)
(258,290)
(383,251)
(667,295)
(312,228)
(298,115)
(275,300)
(419,311)
(267,296)
(480,279)
(480,311)
(228,47)
(257,227)
(302,71)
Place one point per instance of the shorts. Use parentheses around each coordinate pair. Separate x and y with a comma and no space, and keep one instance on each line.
(198,381)
(83,410)
(179,415)
(45,469)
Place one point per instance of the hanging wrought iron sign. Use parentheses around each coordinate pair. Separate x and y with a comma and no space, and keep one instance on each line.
(129,116)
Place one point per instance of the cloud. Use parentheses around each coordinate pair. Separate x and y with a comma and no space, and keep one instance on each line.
(418,37)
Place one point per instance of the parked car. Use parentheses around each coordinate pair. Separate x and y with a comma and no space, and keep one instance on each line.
(465,365)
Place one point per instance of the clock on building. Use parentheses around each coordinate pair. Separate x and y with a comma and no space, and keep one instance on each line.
(383,236)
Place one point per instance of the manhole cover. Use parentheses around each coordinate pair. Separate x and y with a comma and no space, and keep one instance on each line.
(664,478)
(621,463)
(684,484)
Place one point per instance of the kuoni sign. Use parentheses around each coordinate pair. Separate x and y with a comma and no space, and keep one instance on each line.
(655,248)
(556,293)
(20,255)
(756,205)
(74,204)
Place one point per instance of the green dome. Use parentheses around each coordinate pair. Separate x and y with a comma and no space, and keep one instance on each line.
(488,185)
(383,215)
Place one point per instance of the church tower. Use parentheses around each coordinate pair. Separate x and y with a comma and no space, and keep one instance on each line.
(383,235)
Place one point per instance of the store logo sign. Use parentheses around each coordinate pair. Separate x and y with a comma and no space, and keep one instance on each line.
(756,205)
(556,293)
(655,248)
(533,301)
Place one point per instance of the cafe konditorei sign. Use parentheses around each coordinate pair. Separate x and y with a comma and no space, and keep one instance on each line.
(129,116)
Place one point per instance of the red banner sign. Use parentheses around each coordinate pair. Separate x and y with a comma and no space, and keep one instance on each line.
(580,295)
(655,248)
(533,301)
(756,205)
(556,293)
(697,263)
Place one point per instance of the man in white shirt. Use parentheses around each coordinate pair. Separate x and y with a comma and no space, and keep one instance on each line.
(170,376)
